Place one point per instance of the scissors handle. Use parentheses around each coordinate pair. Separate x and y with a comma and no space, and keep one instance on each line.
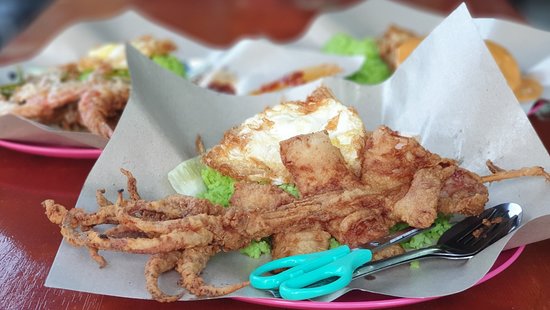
(297,264)
(341,270)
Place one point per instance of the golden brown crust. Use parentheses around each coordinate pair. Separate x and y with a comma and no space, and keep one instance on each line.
(390,41)
(305,241)
(315,164)
(253,196)
(387,252)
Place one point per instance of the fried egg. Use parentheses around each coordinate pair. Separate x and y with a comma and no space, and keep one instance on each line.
(114,53)
(251,151)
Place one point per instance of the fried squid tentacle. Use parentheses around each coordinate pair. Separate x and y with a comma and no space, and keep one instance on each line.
(100,198)
(131,185)
(101,102)
(192,263)
(500,174)
(94,254)
(157,265)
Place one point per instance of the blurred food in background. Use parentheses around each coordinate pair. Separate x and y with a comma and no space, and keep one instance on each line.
(385,54)
(87,95)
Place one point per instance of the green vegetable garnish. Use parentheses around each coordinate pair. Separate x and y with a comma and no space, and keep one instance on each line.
(333,243)
(122,73)
(186,178)
(425,239)
(171,63)
(430,237)
(291,189)
(219,188)
(7,90)
(256,248)
(373,71)
(85,74)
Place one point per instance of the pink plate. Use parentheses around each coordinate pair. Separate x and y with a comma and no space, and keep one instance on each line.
(51,151)
(365,300)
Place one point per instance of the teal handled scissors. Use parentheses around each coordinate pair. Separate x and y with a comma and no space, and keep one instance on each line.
(328,271)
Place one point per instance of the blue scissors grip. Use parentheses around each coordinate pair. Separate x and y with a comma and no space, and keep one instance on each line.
(343,268)
(297,264)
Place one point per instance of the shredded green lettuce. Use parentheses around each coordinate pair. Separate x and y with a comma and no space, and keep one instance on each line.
(7,90)
(425,239)
(219,188)
(373,71)
(186,178)
(333,243)
(171,63)
(256,248)
(121,73)
(429,237)
(85,74)
(291,189)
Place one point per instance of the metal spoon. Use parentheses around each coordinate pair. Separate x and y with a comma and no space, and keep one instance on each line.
(460,241)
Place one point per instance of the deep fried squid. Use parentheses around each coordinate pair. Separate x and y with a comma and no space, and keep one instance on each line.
(404,183)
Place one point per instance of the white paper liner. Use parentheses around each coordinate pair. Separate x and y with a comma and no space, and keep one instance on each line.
(255,63)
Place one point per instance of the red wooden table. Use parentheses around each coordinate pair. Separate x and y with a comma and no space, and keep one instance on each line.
(28,242)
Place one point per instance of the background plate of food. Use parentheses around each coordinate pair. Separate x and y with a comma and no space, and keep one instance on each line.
(388,32)
(83,88)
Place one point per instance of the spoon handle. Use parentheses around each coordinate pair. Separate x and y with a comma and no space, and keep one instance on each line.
(408,257)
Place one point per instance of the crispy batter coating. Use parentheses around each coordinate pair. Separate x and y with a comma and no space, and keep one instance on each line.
(387,252)
(390,160)
(419,206)
(102,102)
(190,266)
(390,41)
(500,174)
(463,193)
(157,265)
(251,196)
(315,164)
(299,242)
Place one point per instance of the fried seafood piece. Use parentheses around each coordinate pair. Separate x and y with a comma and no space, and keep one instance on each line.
(499,174)
(59,97)
(101,103)
(463,192)
(387,252)
(190,266)
(156,265)
(300,242)
(43,97)
(315,164)
(419,205)
(389,160)
(251,196)
(354,216)
(397,165)
(390,41)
